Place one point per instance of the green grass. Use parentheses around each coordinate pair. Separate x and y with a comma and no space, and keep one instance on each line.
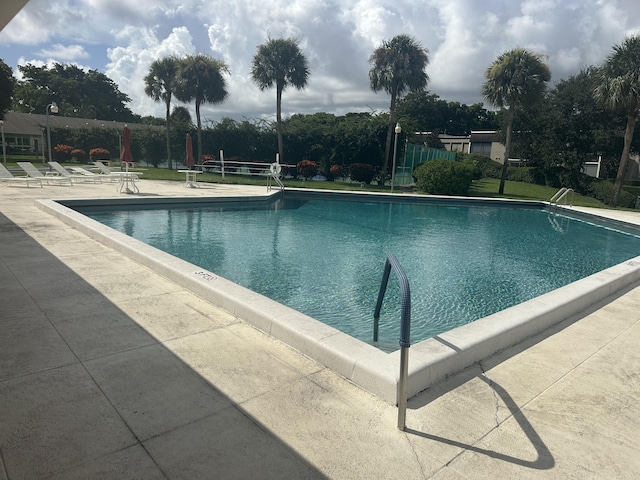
(488,187)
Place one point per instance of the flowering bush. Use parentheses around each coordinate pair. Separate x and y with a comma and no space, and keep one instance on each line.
(361,172)
(307,168)
(99,154)
(62,152)
(335,171)
(79,155)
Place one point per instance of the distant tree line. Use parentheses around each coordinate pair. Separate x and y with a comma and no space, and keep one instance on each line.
(589,115)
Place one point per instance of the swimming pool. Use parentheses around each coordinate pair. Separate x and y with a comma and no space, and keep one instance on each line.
(365,365)
(324,256)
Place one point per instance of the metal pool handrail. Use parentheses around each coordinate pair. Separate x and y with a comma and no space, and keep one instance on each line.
(405,329)
(561,195)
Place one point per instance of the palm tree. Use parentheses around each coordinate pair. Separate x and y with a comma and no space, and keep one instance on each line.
(280,61)
(516,79)
(159,85)
(200,78)
(619,89)
(398,66)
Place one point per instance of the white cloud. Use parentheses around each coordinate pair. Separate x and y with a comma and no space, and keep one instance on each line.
(64,53)
(130,64)
(122,38)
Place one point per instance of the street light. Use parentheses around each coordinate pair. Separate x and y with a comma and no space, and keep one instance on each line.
(398,131)
(4,147)
(51,108)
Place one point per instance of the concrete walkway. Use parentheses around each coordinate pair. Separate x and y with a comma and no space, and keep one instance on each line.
(108,370)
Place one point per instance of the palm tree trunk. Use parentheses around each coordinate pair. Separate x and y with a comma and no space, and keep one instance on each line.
(507,151)
(199,133)
(624,159)
(390,130)
(279,121)
(168,103)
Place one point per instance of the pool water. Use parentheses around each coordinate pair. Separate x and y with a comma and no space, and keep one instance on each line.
(325,257)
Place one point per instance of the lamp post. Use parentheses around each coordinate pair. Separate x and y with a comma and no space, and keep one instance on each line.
(398,131)
(51,108)
(4,147)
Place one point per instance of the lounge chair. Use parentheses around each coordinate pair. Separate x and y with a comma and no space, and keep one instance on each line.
(63,172)
(106,172)
(7,177)
(87,174)
(33,172)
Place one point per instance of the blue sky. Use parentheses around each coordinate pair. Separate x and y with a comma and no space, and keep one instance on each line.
(122,37)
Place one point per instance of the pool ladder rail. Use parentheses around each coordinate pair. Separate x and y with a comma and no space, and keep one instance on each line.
(274,174)
(561,195)
(405,330)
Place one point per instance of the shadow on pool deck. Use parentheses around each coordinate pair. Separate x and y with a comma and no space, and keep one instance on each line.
(85,390)
(108,370)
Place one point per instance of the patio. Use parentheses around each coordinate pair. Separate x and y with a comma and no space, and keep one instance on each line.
(108,370)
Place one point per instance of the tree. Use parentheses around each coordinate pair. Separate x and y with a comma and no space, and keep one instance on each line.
(619,89)
(516,79)
(280,61)
(78,93)
(7,85)
(159,85)
(398,66)
(200,78)
(181,115)
(424,111)
(567,128)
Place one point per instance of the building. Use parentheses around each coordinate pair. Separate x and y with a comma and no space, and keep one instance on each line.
(27,132)
(479,141)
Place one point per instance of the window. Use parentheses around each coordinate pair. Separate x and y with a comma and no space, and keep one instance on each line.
(481,147)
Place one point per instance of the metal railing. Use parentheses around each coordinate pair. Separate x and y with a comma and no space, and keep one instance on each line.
(274,174)
(561,195)
(405,329)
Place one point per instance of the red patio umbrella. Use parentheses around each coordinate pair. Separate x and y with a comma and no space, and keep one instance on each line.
(125,155)
(189,160)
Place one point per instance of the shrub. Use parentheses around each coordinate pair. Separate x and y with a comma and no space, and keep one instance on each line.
(520,174)
(335,171)
(444,177)
(603,190)
(307,168)
(362,172)
(488,168)
(79,154)
(99,154)
(62,152)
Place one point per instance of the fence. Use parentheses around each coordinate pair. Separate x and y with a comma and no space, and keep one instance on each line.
(415,154)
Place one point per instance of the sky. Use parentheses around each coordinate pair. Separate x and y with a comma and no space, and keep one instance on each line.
(121,38)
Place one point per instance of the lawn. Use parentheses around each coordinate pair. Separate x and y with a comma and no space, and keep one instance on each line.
(486,187)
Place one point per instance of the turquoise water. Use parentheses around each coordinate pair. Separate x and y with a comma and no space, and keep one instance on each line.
(325,258)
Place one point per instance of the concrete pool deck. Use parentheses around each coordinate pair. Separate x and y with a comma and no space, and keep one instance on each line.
(108,370)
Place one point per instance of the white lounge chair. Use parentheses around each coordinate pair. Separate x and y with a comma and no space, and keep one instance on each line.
(33,172)
(7,177)
(87,174)
(106,172)
(63,172)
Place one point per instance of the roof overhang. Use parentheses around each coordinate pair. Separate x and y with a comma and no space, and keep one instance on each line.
(9,10)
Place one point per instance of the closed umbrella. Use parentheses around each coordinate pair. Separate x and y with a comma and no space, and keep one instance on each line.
(125,155)
(188,160)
